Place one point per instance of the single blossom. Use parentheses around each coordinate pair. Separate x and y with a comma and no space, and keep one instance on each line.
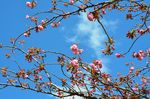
(26,34)
(29,4)
(132,68)
(103,11)
(40,27)
(92,91)
(74,47)
(98,63)
(72,2)
(74,63)
(27,16)
(90,16)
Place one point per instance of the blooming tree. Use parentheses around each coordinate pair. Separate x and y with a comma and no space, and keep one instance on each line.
(86,80)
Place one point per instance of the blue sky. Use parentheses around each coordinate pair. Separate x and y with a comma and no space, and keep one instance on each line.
(79,30)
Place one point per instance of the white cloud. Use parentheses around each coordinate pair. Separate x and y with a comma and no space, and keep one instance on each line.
(92,35)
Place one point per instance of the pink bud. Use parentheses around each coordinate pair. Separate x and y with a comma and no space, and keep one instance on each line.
(103,11)
(72,1)
(74,47)
(92,65)
(98,63)
(135,54)
(90,16)
(40,28)
(27,16)
(26,34)
(55,24)
(26,76)
(135,89)
(118,55)
(132,68)
(29,4)
(141,31)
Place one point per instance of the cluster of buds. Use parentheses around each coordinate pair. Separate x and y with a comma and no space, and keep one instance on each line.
(106,77)
(131,34)
(55,24)
(118,55)
(95,66)
(32,52)
(22,74)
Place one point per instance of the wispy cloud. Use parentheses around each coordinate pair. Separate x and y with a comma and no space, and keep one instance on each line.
(91,34)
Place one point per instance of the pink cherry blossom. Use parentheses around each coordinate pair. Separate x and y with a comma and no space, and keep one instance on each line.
(40,27)
(92,91)
(140,55)
(90,16)
(135,89)
(92,65)
(98,63)
(140,31)
(75,49)
(26,34)
(72,2)
(29,4)
(103,11)
(27,16)
(132,68)
(25,76)
(74,63)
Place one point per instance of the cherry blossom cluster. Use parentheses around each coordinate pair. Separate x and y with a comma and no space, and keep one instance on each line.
(132,34)
(75,49)
(33,52)
(141,54)
(78,73)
